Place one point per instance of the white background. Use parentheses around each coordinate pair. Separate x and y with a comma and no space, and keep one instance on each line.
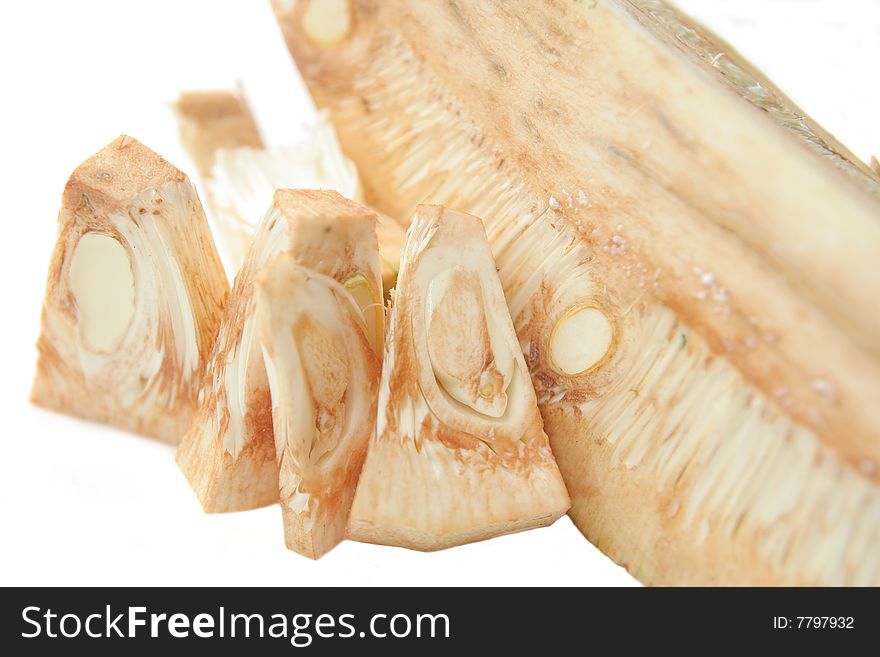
(85,504)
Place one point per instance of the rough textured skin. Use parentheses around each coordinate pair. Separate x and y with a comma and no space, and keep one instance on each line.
(623,159)
(132,194)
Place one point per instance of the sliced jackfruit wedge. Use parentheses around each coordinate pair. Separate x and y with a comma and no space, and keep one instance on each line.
(689,260)
(323,370)
(241,174)
(229,454)
(459,453)
(133,296)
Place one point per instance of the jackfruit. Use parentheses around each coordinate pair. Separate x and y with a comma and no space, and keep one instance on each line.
(323,368)
(133,297)
(229,453)
(459,452)
(688,258)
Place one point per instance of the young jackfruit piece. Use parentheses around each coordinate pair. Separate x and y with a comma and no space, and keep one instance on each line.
(323,373)
(229,454)
(688,258)
(214,120)
(133,296)
(459,453)
(241,174)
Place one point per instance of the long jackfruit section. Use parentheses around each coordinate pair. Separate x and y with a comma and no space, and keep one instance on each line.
(688,259)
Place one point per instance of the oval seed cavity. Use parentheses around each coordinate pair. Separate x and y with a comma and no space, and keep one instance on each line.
(470,361)
(580,340)
(102,284)
(327,22)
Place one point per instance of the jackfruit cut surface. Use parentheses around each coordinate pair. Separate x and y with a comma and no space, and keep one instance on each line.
(240,173)
(229,454)
(133,296)
(459,453)
(688,258)
(323,373)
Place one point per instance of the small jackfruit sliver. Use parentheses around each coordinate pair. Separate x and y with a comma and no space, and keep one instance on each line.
(323,371)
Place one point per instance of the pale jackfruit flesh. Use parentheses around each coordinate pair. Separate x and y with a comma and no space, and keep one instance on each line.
(689,261)
(133,297)
(459,452)
(323,362)
(229,453)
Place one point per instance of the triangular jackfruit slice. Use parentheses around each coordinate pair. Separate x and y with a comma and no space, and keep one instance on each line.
(133,296)
(323,375)
(240,174)
(228,455)
(459,453)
